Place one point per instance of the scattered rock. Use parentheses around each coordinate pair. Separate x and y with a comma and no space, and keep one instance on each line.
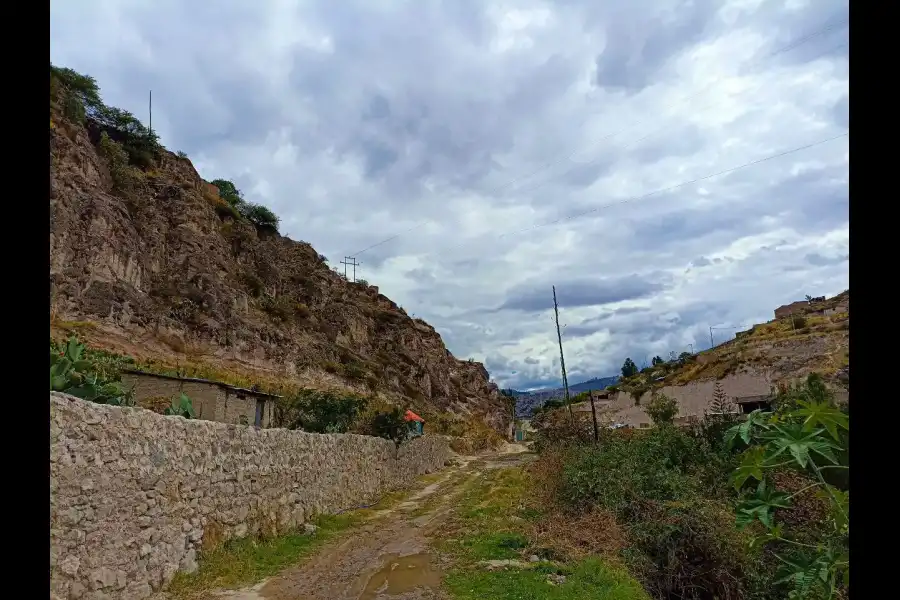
(534,558)
(310,529)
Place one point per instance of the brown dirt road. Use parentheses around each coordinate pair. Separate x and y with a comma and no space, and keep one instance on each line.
(388,557)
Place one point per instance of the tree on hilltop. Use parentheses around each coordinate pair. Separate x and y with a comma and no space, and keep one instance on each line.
(629,368)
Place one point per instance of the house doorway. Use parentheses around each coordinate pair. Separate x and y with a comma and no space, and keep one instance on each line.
(260,407)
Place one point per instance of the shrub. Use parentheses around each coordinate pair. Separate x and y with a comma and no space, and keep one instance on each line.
(681,538)
(259,215)
(228,192)
(391,425)
(140,143)
(281,307)
(799,322)
(181,154)
(320,412)
(123,176)
(71,372)
(662,410)
(355,370)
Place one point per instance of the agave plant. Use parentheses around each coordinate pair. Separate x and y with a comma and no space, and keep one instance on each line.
(71,373)
(181,407)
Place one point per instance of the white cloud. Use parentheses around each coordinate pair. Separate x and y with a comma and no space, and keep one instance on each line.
(356,121)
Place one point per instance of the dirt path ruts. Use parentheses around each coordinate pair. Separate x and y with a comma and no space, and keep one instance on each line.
(388,557)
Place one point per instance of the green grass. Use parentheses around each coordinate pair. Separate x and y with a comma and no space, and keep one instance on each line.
(590,579)
(488,546)
(494,522)
(247,561)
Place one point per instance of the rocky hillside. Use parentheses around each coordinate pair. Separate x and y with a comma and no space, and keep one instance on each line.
(816,340)
(155,265)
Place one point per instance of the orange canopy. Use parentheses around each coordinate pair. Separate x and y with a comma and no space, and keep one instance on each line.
(411,416)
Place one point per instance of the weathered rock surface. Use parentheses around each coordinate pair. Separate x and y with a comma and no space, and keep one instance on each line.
(162,265)
(134,495)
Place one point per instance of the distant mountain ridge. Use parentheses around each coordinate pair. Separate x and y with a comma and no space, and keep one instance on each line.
(527,402)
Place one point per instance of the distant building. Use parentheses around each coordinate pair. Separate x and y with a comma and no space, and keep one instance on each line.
(787,310)
(211,400)
(747,404)
(523,430)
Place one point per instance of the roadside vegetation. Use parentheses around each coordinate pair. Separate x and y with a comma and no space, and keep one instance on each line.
(497,550)
(754,508)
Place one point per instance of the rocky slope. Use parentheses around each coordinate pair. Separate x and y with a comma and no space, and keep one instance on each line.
(163,273)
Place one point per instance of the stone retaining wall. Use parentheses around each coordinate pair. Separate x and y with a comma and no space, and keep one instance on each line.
(135,495)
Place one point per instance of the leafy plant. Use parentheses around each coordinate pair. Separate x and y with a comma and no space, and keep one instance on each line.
(181,407)
(229,192)
(662,409)
(320,412)
(391,425)
(259,215)
(71,373)
(805,436)
(181,154)
(123,175)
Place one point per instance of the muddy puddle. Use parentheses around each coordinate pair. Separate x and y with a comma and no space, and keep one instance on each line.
(402,575)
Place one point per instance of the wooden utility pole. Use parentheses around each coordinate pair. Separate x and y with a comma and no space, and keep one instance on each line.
(151,113)
(562,359)
(594,416)
(350,260)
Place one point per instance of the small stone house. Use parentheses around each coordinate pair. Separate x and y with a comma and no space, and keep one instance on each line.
(212,400)
(786,310)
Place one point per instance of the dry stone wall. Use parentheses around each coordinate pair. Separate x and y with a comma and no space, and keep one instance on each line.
(135,495)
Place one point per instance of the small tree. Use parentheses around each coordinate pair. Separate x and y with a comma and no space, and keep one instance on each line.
(657,360)
(720,403)
(259,215)
(662,409)
(629,368)
(228,192)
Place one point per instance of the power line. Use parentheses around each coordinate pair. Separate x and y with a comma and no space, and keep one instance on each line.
(792,45)
(666,189)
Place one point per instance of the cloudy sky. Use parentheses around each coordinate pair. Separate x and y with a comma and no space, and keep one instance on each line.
(513,146)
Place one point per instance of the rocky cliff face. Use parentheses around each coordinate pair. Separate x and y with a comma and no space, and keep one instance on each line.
(163,272)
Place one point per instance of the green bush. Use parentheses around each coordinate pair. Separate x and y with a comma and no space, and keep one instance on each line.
(665,487)
(229,192)
(391,425)
(282,307)
(72,372)
(662,410)
(259,215)
(320,412)
(123,175)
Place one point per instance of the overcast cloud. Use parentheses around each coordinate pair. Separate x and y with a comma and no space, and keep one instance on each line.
(549,122)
